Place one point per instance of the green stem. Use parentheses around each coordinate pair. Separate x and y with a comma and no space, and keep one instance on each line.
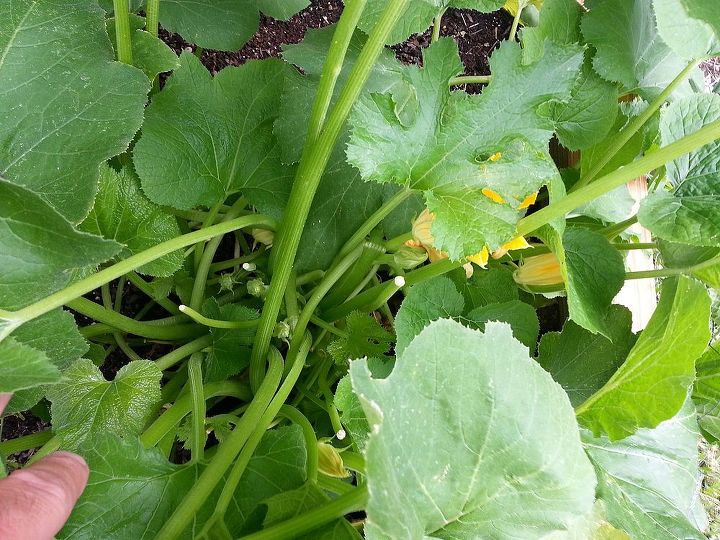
(374,297)
(183,406)
(359,271)
(131,263)
(309,521)
(618,178)
(613,231)
(216,323)
(146,288)
(226,453)
(122,31)
(374,220)
(317,321)
(206,258)
(199,411)
(291,297)
(310,170)
(354,462)
(333,485)
(521,4)
(26,442)
(667,272)
(622,138)
(296,417)
(437,23)
(131,326)
(152,16)
(470,79)
(310,277)
(224,265)
(170,359)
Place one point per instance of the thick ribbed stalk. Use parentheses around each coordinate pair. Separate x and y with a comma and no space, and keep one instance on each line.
(152,16)
(122,31)
(307,179)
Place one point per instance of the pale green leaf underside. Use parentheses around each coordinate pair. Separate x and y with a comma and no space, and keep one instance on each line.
(122,213)
(690,27)
(84,404)
(471,439)
(65,105)
(23,367)
(650,481)
(39,247)
(652,384)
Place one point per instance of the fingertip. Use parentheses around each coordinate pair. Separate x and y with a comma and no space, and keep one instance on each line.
(4,400)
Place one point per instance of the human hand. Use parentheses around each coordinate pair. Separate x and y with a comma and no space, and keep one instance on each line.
(36,501)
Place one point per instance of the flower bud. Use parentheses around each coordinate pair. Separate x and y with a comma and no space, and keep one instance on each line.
(227,282)
(257,288)
(263,236)
(421,226)
(540,274)
(330,463)
(409,257)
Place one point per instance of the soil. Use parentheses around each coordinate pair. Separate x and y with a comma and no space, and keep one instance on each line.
(477,35)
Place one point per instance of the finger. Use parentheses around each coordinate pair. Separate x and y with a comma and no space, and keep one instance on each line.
(4,400)
(36,501)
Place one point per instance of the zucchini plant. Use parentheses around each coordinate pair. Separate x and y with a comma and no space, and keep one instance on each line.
(342,259)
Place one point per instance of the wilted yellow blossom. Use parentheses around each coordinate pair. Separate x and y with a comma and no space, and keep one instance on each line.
(494,196)
(540,273)
(263,236)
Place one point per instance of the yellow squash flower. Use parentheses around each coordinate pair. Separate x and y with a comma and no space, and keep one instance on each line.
(422,237)
(541,273)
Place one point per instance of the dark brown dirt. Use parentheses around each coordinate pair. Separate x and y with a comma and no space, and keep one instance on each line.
(477,35)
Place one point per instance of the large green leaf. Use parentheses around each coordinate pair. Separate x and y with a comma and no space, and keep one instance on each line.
(593,271)
(706,393)
(652,384)
(39,247)
(471,439)
(22,367)
(582,362)
(225,25)
(520,316)
(650,481)
(630,50)
(426,302)
(207,137)
(588,115)
(132,491)
(690,27)
(123,213)
(445,148)
(419,15)
(494,285)
(85,404)
(65,105)
(55,334)
(293,503)
(691,214)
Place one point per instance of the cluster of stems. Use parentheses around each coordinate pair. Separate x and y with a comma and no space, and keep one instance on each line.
(334,294)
